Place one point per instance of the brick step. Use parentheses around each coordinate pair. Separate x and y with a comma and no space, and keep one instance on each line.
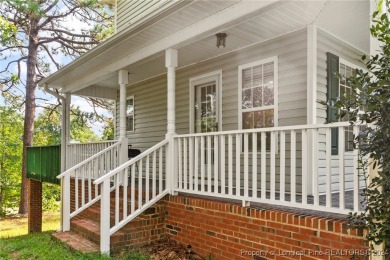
(76,242)
(90,229)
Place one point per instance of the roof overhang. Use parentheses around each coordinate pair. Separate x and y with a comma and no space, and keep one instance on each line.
(140,50)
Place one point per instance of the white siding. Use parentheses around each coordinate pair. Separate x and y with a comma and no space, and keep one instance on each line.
(328,43)
(150,95)
(130,11)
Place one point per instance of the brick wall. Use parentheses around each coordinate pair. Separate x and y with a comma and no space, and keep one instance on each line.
(34,206)
(229,231)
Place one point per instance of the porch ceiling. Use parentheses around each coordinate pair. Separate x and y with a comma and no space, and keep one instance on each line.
(275,19)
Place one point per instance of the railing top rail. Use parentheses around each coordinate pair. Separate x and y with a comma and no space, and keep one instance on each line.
(270,129)
(87,160)
(99,142)
(130,162)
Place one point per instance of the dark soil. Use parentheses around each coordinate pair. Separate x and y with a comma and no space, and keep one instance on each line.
(168,249)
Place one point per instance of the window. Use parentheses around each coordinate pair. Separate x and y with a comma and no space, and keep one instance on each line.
(258,94)
(346,73)
(258,98)
(130,114)
(338,73)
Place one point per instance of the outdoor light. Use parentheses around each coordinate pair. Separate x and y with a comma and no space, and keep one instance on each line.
(221,40)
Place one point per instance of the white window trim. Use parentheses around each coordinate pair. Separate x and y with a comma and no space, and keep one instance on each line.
(131,97)
(276,95)
(201,79)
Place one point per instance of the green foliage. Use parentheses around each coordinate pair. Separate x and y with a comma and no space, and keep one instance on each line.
(7,31)
(369,102)
(11,131)
(108,131)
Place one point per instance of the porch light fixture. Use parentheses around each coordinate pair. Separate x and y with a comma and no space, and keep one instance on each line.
(221,40)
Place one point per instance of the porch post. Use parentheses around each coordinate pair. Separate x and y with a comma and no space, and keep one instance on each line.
(123,80)
(65,157)
(171,64)
(311,182)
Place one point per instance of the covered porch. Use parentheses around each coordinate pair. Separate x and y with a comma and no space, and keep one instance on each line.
(289,163)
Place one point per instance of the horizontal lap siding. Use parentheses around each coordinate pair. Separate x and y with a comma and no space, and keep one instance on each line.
(328,43)
(129,12)
(150,96)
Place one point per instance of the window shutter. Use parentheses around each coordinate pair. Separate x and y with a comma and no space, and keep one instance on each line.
(332,95)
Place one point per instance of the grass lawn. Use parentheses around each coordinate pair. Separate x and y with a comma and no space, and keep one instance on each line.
(15,243)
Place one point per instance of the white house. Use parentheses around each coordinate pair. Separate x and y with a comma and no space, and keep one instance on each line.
(221,98)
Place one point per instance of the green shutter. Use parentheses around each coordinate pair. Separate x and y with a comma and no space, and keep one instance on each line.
(332,95)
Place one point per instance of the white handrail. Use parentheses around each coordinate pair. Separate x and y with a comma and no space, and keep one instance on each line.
(88,143)
(270,129)
(130,162)
(88,160)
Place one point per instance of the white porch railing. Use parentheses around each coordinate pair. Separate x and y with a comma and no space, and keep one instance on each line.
(78,152)
(85,194)
(134,193)
(288,166)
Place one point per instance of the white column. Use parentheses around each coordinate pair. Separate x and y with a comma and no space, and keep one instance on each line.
(311,101)
(65,182)
(171,64)
(123,79)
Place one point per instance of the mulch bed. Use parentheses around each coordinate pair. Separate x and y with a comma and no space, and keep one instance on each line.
(168,249)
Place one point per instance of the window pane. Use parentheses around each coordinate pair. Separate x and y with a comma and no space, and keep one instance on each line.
(342,74)
(203,95)
(268,94)
(247,98)
(130,114)
(269,118)
(257,97)
(268,73)
(259,119)
(247,120)
(247,78)
(258,75)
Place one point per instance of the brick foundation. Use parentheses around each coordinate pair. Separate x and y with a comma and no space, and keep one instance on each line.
(34,206)
(229,231)
(225,230)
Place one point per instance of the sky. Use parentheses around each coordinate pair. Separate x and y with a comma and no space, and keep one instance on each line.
(43,98)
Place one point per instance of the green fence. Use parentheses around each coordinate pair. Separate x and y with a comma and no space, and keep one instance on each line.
(44,163)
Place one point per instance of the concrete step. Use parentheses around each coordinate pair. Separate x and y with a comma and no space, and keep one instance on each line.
(76,242)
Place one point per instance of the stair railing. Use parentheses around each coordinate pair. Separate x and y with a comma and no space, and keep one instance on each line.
(83,174)
(147,177)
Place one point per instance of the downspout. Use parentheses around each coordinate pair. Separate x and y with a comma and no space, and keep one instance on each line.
(63,141)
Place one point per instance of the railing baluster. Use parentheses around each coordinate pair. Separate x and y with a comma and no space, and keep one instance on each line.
(160,171)
(216,163)
(263,166)
(125,185)
(202,164)
(140,184)
(222,164)
(90,165)
(355,172)
(282,165)
(246,167)
(254,165)
(185,163)
(272,166)
(304,167)
(209,163)
(191,160)
(83,169)
(315,166)
(328,166)
(76,190)
(230,164)
(292,166)
(196,164)
(147,180)
(132,189)
(154,174)
(341,167)
(117,188)
(238,164)
(180,171)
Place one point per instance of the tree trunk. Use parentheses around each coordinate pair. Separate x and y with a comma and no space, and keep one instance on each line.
(28,131)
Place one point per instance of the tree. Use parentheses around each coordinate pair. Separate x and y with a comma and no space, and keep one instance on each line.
(44,35)
(11,130)
(369,103)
